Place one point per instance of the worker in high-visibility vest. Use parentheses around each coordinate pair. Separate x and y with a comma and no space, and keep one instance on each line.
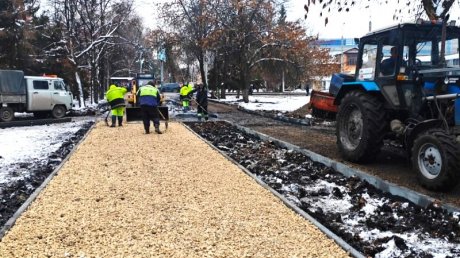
(115,97)
(149,100)
(184,91)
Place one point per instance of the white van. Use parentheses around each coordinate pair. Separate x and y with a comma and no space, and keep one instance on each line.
(41,95)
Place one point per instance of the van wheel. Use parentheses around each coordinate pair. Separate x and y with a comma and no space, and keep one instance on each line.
(6,114)
(59,111)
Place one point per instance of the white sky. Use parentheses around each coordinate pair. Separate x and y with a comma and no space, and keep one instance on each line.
(349,24)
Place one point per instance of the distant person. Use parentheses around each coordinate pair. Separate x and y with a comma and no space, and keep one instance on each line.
(202,101)
(387,67)
(115,97)
(307,89)
(149,100)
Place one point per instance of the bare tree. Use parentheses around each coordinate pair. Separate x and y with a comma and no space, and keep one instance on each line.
(193,21)
(250,33)
(88,29)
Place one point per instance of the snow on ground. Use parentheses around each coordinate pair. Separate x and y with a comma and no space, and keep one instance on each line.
(282,103)
(31,143)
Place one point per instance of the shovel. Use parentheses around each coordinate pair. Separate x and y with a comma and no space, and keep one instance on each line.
(163,117)
(107,117)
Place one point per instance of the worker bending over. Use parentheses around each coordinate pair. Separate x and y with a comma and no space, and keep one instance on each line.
(115,97)
(149,99)
(201,101)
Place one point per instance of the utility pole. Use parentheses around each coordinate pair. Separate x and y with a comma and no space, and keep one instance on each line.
(161,72)
(162,58)
(206,68)
(141,61)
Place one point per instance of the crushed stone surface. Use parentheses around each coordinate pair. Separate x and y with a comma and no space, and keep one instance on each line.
(127,194)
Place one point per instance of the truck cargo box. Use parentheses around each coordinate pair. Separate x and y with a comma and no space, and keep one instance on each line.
(12,82)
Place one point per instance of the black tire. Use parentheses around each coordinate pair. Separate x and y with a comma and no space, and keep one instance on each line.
(361,125)
(6,114)
(436,160)
(58,111)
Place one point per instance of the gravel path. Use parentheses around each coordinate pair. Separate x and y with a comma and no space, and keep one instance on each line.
(169,195)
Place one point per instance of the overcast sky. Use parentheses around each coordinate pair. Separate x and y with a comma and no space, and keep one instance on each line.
(354,23)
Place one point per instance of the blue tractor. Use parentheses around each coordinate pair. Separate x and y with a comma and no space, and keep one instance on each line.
(405,91)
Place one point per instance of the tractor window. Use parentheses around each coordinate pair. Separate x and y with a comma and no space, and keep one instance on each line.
(424,50)
(389,58)
(452,55)
(369,57)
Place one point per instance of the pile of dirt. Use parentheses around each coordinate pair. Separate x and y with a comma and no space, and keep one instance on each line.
(372,221)
(15,193)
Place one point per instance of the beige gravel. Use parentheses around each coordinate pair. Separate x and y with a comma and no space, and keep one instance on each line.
(168,195)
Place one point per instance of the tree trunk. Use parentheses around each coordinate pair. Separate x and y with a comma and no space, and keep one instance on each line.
(80,89)
(222,91)
(202,70)
(245,83)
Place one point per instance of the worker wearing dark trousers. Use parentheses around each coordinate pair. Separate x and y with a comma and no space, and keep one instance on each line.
(149,99)
(202,101)
(117,103)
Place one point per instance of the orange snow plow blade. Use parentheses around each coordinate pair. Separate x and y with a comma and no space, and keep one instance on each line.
(322,101)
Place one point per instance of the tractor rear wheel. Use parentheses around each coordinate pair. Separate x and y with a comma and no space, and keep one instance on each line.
(436,159)
(360,127)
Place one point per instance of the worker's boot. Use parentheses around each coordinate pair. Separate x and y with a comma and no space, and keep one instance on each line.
(157,129)
(114,121)
(120,121)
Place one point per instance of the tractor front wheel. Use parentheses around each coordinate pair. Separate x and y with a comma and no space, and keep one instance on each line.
(360,127)
(436,160)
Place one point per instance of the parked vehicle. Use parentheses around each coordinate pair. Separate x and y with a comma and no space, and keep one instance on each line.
(170,87)
(41,95)
(133,110)
(416,104)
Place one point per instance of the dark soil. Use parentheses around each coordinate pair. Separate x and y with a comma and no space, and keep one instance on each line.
(313,186)
(13,195)
(391,165)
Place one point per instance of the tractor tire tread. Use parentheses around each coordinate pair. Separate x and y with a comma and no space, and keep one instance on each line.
(375,119)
